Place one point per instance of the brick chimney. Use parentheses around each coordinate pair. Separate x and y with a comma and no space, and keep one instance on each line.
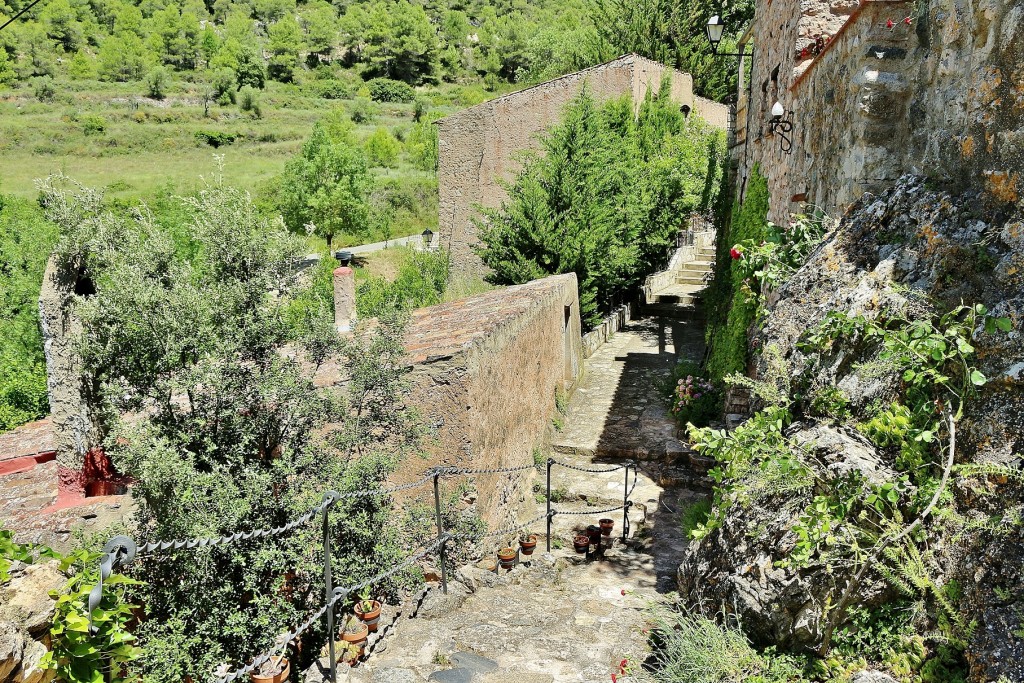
(344,299)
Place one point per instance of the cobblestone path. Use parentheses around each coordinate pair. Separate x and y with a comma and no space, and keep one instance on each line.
(560,616)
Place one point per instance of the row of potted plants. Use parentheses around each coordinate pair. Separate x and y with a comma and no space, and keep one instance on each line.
(527,544)
(593,535)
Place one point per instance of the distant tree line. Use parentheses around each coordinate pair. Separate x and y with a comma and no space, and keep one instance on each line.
(245,42)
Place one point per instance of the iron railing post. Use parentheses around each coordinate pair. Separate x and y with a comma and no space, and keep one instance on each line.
(331,497)
(625,504)
(440,532)
(551,461)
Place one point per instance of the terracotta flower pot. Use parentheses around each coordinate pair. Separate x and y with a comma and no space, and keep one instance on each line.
(507,556)
(606,526)
(594,534)
(527,547)
(582,544)
(371,617)
(358,635)
(276,678)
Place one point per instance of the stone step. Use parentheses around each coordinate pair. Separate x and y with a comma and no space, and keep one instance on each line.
(698,266)
(692,280)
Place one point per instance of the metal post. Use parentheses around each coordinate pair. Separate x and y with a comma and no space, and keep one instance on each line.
(329,583)
(625,504)
(440,532)
(551,461)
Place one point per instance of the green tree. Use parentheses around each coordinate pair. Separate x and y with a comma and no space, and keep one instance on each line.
(7,74)
(25,243)
(320,23)
(401,43)
(382,149)
(250,69)
(62,25)
(421,146)
(604,200)
(124,57)
(234,435)
(285,43)
(325,188)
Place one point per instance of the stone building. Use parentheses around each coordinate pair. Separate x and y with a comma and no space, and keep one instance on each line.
(478,148)
(891,87)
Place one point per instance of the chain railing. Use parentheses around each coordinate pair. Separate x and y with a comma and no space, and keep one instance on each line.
(121,551)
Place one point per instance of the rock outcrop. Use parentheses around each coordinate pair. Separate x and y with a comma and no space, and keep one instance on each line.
(910,248)
(26,612)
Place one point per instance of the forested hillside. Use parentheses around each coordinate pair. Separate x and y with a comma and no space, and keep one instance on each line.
(249,42)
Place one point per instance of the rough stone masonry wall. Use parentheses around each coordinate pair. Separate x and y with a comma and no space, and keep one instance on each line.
(486,371)
(479,147)
(942,97)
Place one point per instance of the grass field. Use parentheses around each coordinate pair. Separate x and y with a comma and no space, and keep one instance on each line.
(108,136)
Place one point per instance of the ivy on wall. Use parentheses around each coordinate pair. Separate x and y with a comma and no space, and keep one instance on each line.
(730,311)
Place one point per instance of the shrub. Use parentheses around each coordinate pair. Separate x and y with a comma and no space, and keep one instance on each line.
(157,82)
(361,110)
(419,110)
(695,399)
(93,124)
(224,87)
(249,101)
(214,138)
(387,90)
(421,282)
(382,149)
(421,146)
(44,89)
(328,89)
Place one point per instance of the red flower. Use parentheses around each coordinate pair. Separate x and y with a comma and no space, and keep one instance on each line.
(735,253)
(614,678)
(907,21)
(622,665)
(890,23)
(623,591)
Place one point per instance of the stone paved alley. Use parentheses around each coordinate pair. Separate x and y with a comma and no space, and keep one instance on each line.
(562,617)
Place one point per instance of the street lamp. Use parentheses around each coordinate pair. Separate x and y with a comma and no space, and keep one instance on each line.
(428,237)
(344,257)
(714,31)
(781,126)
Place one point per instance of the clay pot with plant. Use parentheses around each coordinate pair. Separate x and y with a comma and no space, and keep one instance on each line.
(594,534)
(527,543)
(354,631)
(606,526)
(507,557)
(277,668)
(351,653)
(368,610)
(581,544)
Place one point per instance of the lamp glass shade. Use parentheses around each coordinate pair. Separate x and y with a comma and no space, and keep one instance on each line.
(715,29)
(427,236)
(778,110)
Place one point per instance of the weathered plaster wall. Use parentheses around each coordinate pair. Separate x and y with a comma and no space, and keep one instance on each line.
(941,97)
(479,147)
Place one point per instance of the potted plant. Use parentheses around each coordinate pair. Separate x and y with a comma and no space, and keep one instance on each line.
(354,631)
(276,669)
(606,526)
(507,557)
(527,543)
(351,652)
(594,534)
(368,610)
(581,543)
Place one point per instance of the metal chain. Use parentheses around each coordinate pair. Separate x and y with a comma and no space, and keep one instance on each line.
(588,471)
(591,512)
(447,471)
(500,532)
(276,531)
(339,594)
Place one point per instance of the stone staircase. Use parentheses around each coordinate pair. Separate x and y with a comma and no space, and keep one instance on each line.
(676,292)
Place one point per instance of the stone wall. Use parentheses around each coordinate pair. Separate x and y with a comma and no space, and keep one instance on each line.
(479,147)
(486,372)
(940,96)
(26,610)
